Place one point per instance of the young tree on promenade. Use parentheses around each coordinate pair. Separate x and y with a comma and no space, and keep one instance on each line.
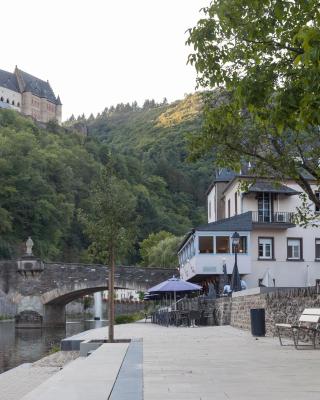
(111,227)
(263,59)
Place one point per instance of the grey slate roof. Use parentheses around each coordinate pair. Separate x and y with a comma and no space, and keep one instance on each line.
(224,175)
(240,222)
(9,81)
(37,87)
(264,186)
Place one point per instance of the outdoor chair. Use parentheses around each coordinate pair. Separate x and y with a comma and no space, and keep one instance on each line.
(309,322)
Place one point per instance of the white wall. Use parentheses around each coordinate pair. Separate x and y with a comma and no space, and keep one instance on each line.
(12,96)
(205,264)
(211,203)
(286,273)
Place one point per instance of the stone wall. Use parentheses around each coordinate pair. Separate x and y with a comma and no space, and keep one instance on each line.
(7,308)
(281,305)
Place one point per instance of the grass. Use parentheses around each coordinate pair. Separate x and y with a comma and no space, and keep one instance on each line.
(128,318)
(5,317)
(54,349)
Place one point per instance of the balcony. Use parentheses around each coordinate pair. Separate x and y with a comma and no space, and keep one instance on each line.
(273,220)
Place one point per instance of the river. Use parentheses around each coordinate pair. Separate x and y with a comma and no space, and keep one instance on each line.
(18,346)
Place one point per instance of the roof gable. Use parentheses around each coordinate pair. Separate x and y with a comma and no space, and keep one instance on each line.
(36,86)
(9,81)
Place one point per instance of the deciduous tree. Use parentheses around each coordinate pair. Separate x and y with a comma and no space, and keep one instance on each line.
(264,56)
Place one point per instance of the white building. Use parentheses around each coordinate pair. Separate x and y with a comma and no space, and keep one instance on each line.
(270,241)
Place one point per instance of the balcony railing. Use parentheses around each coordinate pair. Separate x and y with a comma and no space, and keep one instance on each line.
(273,218)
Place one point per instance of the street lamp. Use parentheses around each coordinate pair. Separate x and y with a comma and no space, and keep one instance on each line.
(235,279)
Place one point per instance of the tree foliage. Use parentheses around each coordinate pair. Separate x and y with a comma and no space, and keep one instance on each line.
(111,224)
(264,56)
(48,174)
(160,250)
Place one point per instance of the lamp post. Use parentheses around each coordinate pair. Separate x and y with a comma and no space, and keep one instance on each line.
(235,243)
(235,279)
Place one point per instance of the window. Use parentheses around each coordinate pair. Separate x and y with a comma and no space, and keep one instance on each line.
(242,248)
(317,249)
(8,101)
(294,249)
(317,209)
(12,102)
(206,244)
(2,99)
(265,248)
(222,244)
(236,203)
(264,207)
(229,209)
(209,209)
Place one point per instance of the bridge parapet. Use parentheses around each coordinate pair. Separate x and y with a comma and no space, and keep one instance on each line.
(48,290)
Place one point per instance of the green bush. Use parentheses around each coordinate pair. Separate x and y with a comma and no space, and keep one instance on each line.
(128,318)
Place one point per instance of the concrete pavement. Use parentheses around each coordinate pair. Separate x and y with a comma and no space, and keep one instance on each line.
(220,362)
(215,363)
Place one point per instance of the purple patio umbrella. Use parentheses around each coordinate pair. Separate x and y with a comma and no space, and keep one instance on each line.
(174,285)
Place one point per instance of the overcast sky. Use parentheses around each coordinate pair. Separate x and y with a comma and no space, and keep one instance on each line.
(97,53)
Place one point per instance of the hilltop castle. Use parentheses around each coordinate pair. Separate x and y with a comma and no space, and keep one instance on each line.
(29,95)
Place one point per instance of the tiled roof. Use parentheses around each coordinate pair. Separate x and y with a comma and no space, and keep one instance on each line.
(265,186)
(9,81)
(240,222)
(37,87)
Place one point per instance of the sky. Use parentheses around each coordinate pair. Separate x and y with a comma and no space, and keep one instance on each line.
(97,53)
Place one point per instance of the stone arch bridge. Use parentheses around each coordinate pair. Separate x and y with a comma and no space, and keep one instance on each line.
(46,288)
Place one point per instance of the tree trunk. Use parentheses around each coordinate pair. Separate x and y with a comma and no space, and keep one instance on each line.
(111,297)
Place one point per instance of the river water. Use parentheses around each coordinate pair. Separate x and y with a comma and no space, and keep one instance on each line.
(18,346)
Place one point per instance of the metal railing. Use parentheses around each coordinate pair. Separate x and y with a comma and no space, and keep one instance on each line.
(279,217)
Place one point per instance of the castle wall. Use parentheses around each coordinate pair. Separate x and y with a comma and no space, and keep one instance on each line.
(14,98)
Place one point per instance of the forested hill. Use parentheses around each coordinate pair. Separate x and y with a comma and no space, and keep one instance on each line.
(48,174)
(151,143)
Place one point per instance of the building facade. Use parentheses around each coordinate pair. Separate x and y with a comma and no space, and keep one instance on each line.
(29,95)
(271,243)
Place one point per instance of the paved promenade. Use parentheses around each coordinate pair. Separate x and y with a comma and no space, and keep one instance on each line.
(215,363)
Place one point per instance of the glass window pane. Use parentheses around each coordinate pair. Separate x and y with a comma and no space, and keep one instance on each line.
(260,250)
(222,244)
(294,250)
(268,250)
(206,244)
(265,248)
(318,248)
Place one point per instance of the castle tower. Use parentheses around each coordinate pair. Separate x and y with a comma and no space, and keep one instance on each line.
(58,110)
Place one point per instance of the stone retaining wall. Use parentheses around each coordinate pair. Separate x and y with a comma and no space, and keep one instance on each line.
(282,305)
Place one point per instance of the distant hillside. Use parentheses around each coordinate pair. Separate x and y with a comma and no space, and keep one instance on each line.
(48,173)
(152,141)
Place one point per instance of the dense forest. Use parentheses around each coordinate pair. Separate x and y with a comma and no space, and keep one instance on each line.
(48,174)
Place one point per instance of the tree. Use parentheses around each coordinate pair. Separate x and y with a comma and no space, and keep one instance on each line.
(111,227)
(164,253)
(151,241)
(264,56)
(160,250)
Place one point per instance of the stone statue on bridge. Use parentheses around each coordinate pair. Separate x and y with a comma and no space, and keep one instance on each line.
(29,245)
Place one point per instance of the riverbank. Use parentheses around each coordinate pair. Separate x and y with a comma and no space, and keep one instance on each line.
(17,382)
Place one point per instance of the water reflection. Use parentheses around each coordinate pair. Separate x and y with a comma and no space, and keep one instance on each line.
(19,346)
